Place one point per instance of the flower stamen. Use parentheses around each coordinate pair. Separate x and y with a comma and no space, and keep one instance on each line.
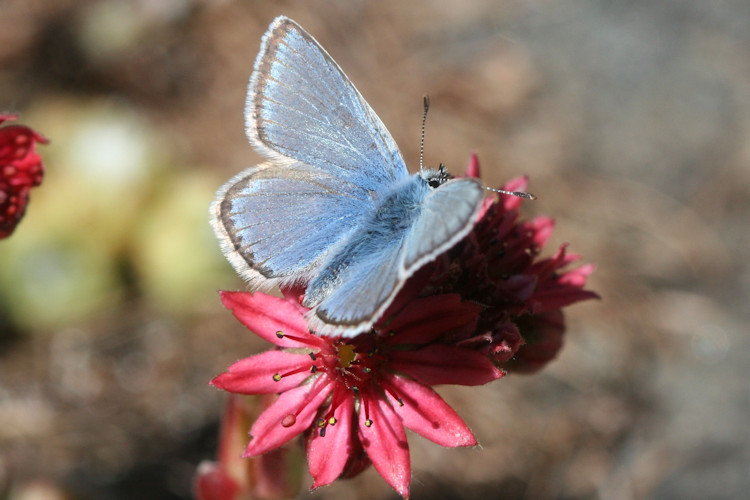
(391,391)
(277,377)
(366,403)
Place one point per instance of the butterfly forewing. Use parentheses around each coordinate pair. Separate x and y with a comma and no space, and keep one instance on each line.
(301,106)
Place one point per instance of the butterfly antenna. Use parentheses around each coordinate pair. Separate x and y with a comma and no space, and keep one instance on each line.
(424,121)
(519,194)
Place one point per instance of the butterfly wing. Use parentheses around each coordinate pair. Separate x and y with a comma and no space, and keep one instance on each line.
(448,214)
(330,159)
(301,106)
(275,223)
(359,300)
(384,254)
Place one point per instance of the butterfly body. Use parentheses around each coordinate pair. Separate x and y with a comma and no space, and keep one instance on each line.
(378,233)
(334,207)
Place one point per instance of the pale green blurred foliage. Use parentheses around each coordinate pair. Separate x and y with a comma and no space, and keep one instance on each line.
(114,210)
(175,252)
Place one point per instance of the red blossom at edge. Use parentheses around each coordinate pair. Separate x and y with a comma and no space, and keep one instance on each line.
(20,169)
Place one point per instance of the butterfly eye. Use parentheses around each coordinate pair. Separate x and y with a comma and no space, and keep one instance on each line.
(435,178)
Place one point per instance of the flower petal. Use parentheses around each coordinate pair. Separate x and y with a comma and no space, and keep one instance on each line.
(426,319)
(442,364)
(550,300)
(385,442)
(515,184)
(542,228)
(426,413)
(544,335)
(288,416)
(267,315)
(8,116)
(213,482)
(328,455)
(255,375)
(21,169)
(545,268)
(578,276)
(472,169)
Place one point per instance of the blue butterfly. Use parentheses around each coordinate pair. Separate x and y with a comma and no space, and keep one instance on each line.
(334,206)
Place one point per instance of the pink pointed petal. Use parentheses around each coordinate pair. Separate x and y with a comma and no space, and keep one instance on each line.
(294,295)
(328,455)
(542,227)
(487,203)
(569,258)
(296,407)
(385,442)
(267,315)
(442,364)
(426,319)
(577,277)
(254,375)
(518,288)
(549,300)
(472,169)
(516,184)
(545,268)
(519,183)
(427,414)
(8,117)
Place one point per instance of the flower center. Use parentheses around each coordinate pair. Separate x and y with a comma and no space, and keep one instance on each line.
(355,361)
(346,355)
(352,364)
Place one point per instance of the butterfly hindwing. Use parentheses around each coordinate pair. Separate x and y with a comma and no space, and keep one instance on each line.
(356,303)
(447,215)
(276,223)
(411,227)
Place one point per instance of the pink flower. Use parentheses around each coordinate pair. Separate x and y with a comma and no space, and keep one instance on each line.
(485,307)
(521,297)
(352,398)
(20,169)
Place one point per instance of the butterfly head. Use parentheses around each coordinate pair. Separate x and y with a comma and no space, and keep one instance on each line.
(435,178)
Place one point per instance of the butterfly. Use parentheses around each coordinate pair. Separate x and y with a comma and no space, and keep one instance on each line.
(334,206)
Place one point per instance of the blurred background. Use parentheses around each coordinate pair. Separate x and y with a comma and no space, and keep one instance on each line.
(632,119)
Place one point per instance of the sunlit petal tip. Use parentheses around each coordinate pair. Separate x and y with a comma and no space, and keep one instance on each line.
(384,439)
(472,168)
(272,318)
